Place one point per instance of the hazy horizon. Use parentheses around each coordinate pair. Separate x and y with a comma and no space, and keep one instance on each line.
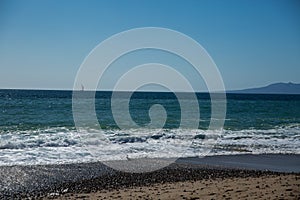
(145,90)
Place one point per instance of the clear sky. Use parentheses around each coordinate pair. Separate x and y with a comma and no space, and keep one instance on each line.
(253,42)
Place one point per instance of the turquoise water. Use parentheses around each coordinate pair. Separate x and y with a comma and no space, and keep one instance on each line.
(37,127)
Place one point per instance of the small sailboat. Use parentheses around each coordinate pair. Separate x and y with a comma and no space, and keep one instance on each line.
(82,87)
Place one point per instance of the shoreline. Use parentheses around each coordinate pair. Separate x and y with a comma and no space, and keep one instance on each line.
(270,162)
(49,181)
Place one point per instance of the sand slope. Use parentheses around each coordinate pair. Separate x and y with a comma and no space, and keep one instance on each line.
(264,187)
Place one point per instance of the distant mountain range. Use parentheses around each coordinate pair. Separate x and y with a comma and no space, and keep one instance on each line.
(276,88)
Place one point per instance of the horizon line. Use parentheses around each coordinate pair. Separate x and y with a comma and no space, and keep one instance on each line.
(109,90)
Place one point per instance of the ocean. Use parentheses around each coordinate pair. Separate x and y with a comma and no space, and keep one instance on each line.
(37,127)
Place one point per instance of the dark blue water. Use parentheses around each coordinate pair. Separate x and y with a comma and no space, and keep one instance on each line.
(37,126)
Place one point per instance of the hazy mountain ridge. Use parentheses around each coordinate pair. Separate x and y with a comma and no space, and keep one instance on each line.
(275,88)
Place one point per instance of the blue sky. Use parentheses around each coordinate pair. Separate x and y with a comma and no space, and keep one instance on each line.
(253,43)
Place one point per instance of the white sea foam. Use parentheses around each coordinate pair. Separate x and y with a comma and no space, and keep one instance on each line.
(65,145)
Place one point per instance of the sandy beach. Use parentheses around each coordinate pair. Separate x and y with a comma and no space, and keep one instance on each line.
(188,178)
(263,187)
